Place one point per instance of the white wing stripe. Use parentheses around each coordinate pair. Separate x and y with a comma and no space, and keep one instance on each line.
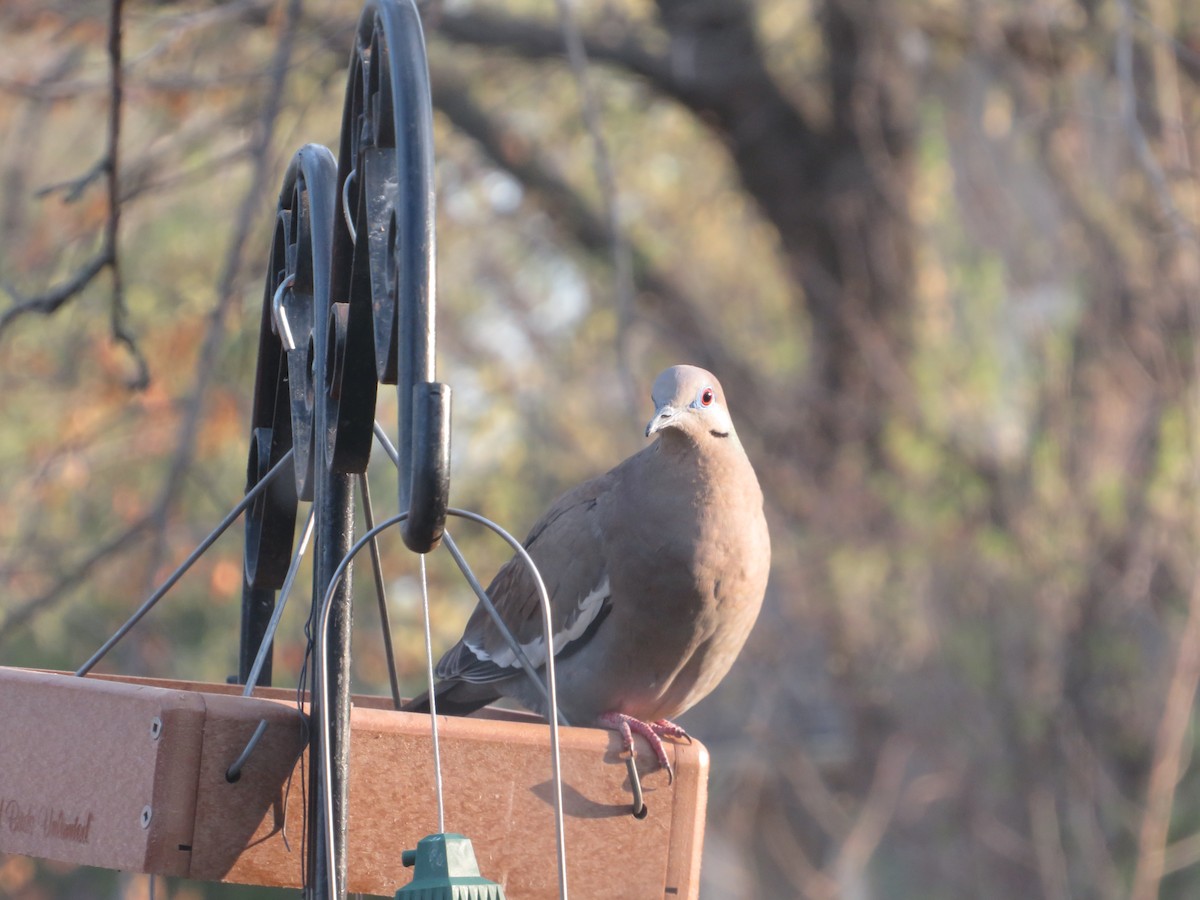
(589,607)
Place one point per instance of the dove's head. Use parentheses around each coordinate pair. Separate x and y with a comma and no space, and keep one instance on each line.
(690,399)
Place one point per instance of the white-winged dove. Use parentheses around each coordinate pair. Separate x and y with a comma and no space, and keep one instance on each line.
(656,571)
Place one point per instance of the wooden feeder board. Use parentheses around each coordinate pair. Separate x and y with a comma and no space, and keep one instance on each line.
(83,759)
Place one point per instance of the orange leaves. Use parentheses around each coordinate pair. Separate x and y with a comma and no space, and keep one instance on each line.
(225,580)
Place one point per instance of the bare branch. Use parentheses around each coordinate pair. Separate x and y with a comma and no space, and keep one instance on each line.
(1168,757)
(236,14)
(1046,46)
(50,91)
(1185,231)
(260,153)
(60,590)
(1182,854)
(50,302)
(880,806)
(538,40)
(109,256)
(118,310)
(656,292)
(73,188)
(606,177)
(1170,752)
(1048,843)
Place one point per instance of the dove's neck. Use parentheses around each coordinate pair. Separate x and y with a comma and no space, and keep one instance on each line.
(705,456)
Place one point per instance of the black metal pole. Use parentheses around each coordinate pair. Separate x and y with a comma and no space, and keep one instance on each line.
(379,297)
(335,515)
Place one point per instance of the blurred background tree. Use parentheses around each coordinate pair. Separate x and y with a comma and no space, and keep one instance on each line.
(943,255)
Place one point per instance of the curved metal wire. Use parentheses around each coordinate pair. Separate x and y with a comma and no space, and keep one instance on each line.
(551,684)
(509,638)
(279,314)
(234,772)
(347,215)
(385,621)
(264,646)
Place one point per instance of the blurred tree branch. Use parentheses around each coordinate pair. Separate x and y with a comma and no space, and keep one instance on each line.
(262,159)
(848,264)
(656,291)
(73,577)
(109,256)
(536,39)
(1034,40)
(259,150)
(610,198)
(1169,755)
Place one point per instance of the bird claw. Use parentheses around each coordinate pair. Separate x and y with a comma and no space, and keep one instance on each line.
(653,732)
(667,728)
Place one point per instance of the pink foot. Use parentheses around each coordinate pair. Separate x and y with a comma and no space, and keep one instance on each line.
(653,732)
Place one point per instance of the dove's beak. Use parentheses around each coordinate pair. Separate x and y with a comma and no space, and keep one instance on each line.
(663,417)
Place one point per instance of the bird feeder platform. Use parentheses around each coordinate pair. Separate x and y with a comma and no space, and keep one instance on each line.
(131,773)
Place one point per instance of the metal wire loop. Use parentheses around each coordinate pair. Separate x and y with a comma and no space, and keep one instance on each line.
(635,785)
(346,206)
(509,638)
(279,314)
(323,626)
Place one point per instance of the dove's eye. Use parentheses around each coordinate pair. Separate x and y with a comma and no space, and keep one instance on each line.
(706,397)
